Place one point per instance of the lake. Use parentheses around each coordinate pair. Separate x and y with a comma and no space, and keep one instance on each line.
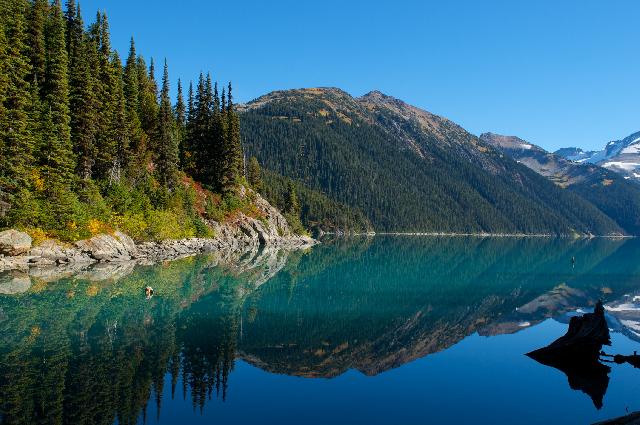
(382,330)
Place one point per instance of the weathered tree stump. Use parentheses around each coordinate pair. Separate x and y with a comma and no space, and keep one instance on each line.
(577,354)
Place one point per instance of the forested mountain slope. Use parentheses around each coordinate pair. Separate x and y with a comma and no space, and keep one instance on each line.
(613,194)
(407,169)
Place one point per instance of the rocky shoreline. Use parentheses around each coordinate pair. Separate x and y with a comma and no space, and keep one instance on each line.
(239,233)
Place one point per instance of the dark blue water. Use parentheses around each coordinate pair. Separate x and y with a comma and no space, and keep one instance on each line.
(363,331)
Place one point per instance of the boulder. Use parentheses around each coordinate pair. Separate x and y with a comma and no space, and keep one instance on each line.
(108,248)
(13,242)
(126,240)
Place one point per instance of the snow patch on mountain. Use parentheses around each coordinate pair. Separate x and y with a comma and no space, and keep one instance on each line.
(622,156)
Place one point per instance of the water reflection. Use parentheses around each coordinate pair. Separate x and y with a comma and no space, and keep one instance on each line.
(85,346)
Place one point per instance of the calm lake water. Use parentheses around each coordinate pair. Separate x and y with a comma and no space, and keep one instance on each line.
(385,330)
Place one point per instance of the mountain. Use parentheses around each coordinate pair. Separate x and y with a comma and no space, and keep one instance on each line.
(603,187)
(405,168)
(621,156)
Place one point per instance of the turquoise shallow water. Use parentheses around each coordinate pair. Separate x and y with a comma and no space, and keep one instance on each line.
(385,330)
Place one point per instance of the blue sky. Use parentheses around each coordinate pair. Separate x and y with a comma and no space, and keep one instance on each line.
(557,73)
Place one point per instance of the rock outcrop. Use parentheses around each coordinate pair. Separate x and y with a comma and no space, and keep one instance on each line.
(109,248)
(13,242)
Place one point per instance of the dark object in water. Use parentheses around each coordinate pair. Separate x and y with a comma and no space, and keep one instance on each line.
(148,291)
(577,353)
(633,360)
(630,419)
(582,342)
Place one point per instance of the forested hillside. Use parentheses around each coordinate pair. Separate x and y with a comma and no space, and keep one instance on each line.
(89,143)
(317,212)
(406,169)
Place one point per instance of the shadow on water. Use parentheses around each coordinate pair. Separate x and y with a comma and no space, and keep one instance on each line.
(89,348)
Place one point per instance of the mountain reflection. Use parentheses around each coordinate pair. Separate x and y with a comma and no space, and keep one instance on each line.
(87,347)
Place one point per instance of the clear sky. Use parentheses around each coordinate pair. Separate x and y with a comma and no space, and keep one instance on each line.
(555,72)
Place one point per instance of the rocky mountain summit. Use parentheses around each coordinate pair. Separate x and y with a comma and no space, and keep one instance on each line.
(621,156)
(562,171)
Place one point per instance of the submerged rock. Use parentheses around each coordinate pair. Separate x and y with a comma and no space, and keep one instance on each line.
(13,242)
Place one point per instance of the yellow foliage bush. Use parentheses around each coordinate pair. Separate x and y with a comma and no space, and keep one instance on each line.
(37,235)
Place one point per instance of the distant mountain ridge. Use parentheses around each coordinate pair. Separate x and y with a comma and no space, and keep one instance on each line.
(603,187)
(621,156)
(407,169)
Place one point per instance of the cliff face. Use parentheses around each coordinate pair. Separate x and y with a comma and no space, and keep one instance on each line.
(238,233)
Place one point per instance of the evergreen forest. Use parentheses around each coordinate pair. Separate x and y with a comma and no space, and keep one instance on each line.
(90,142)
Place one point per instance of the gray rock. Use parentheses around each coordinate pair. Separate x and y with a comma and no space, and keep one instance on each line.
(108,248)
(17,262)
(54,252)
(126,240)
(13,242)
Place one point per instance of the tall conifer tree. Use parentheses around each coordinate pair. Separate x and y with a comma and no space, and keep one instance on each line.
(119,131)
(37,48)
(16,145)
(57,155)
(106,143)
(232,156)
(84,99)
(181,121)
(167,151)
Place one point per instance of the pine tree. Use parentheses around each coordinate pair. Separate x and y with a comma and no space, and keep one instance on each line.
(119,131)
(131,87)
(210,146)
(37,48)
(147,98)
(167,151)
(58,154)
(198,131)
(106,143)
(217,142)
(186,148)
(74,27)
(16,145)
(83,99)
(292,209)
(232,156)
(292,205)
(254,174)
(180,114)
(180,109)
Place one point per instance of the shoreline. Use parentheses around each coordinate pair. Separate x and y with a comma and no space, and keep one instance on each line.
(118,248)
(479,235)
